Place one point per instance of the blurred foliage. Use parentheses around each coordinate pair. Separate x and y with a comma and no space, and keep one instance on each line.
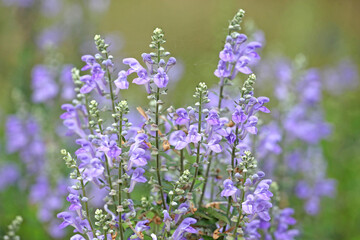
(323,30)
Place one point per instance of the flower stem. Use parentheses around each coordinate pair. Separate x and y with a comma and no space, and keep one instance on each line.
(240,211)
(206,179)
(198,146)
(119,179)
(85,203)
(158,147)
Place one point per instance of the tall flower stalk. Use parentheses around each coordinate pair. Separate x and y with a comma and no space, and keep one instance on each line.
(166,152)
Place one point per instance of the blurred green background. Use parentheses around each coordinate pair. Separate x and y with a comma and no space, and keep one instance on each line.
(325,31)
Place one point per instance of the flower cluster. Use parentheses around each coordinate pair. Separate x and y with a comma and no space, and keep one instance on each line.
(169,157)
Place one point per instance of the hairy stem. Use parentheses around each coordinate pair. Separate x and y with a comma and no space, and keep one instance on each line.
(86,202)
(158,147)
(198,146)
(206,179)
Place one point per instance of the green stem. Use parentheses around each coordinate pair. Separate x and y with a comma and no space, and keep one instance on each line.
(240,211)
(221,95)
(158,147)
(206,179)
(119,140)
(119,179)
(234,148)
(181,158)
(181,161)
(86,202)
(198,146)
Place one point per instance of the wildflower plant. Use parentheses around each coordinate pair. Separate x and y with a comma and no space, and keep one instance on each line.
(188,164)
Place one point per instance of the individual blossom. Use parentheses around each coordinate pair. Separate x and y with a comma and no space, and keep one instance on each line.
(72,118)
(181,211)
(121,82)
(143,77)
(238,116)
(139,158)
(75,221)
(136,177)
(181,116)
(161,79)
(250,126)
(229,189)
(259,202)
(134,65)
(89,60)
(74,200)
(222,70)
(193,135)
(167,220)
(178,139)
(141,226)
(213,118)
(93,170)
(184,227)
(228,133)
(214,143)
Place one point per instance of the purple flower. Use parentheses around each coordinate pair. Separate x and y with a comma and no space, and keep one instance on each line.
(238,116)
(110,148)
(227,54)
(72,118)
(184,227)
(182,210)
(229,189)
(148,60)
(228,134)
(214,144)
(250,126)
(241,65)
(43,84)
(134,65)
(89,85)
(254,205)
(178,139)
(136,177)
(167,220)
(77,237)
(262,190)
(141,226)
(139,157)
(75,202)
(182,116)
(171,62)
(284,220)
(121,82)
(193,135)
(89,60)
(108,64)
(213,118)
(142,78)
(93,170)
(222,70)
(161,79)
(76,222)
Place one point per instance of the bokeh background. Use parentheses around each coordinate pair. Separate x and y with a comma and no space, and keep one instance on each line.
(325,31)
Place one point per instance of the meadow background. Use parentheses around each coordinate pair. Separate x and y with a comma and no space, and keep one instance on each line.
(325,31)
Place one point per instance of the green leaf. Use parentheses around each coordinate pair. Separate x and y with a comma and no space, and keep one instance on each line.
(128,233)
(218,215)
